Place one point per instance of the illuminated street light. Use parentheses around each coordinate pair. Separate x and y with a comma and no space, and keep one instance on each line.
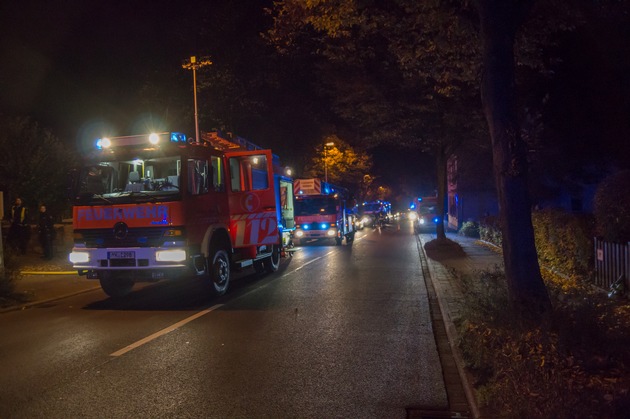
(331,144)
(193,65)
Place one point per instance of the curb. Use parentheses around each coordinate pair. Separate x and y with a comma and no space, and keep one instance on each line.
(30,304)
(453,337)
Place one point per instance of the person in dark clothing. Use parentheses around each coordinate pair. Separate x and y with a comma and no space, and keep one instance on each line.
(19,233)
(46,232)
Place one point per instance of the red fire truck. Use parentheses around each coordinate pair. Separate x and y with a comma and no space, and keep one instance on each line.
(426,217)
(148,207)
(321,212)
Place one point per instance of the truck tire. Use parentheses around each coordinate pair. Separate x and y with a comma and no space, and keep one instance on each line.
(116,285)
(218,272)
(272,263)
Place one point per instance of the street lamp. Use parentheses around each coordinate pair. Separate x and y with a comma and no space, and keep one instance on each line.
(331,144)
(193,65)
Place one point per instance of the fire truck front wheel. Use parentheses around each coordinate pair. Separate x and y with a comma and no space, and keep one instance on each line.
(115,284)
(218,271)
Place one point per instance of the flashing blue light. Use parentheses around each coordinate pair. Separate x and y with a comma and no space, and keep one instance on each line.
(305,227)
(324,226)
(326,190)
(103,143)
(412,206)
(178,137)
(436,220)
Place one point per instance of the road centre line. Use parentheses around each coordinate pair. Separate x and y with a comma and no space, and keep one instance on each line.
(307,263)
(164,331)
(196,316)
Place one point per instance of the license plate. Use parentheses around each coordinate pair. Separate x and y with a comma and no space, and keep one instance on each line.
(121,255)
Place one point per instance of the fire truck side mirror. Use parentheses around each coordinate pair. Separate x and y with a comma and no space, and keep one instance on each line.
(72,180)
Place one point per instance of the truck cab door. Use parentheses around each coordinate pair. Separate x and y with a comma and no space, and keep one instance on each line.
(251,198)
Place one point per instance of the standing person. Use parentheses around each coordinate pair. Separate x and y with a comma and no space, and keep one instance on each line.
(19,232)
(46,232)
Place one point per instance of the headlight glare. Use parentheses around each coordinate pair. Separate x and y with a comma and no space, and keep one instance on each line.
(171,255)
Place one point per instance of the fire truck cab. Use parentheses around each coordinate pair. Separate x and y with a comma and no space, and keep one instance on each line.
(148,207)
(321,212)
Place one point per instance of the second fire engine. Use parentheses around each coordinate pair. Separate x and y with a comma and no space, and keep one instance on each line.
(321,212)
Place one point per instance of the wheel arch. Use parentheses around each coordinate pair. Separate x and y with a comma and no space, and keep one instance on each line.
(216,236)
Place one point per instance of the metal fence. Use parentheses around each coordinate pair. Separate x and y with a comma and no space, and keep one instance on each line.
(612,261)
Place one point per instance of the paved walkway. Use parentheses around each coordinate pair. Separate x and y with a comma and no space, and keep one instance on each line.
(476,256)
(47,280)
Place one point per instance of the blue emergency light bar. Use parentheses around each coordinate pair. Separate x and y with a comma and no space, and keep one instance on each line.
(178,137)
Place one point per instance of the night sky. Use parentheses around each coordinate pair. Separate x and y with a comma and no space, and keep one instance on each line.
(69,63)
(76,65)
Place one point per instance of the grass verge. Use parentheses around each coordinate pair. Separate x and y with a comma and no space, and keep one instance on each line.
(573,364)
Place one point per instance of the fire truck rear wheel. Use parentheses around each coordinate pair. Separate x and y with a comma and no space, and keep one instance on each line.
(219,271)
(272,263)
(116,285)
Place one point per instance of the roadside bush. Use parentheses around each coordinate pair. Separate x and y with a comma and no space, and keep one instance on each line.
(470,229)
(611,207)
(490,230)
(573,364)
(564,241)
(11,274)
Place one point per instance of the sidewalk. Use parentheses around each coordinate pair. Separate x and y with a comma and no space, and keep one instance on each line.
(42,280)
(444,273)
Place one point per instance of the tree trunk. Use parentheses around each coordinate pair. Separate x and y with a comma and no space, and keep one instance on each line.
(440,163)
(499,22)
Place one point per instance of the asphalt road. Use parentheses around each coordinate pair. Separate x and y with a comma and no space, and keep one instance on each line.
(338,331)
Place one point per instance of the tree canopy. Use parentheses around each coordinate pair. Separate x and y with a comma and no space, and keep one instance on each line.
(342,164)
(417,71)
(34,165)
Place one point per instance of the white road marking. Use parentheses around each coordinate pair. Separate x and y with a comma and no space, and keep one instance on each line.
(197,315)
(164,331)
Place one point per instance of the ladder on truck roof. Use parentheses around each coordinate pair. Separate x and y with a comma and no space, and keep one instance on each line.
(228,141)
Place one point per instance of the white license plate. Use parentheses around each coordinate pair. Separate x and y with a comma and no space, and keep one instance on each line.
(121,255)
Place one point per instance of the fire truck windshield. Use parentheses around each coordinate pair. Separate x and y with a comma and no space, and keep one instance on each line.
(130,180)
(320,205)
(372,207)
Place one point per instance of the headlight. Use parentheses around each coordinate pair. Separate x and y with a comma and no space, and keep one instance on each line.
(79,257)
(413,216)
(299,233)
(422,221)
(331,232)
(171,255)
